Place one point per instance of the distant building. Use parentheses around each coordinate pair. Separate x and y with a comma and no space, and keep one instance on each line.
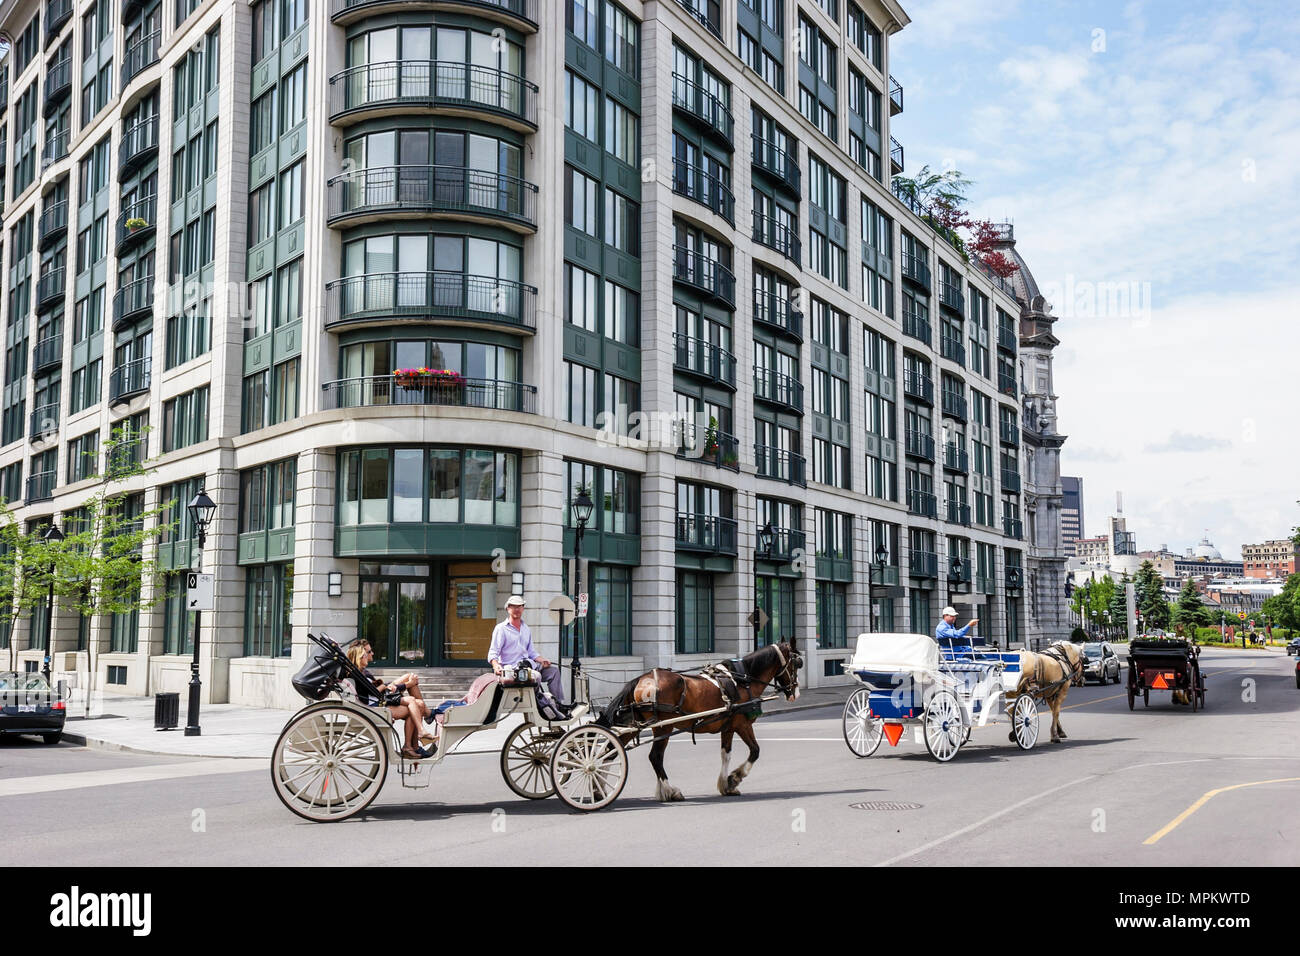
(1094,551)
(1071,512)
(1205,561)
(1272,559)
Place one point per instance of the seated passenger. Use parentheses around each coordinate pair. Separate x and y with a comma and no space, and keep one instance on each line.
(412,711)
(949,635)
(512,643)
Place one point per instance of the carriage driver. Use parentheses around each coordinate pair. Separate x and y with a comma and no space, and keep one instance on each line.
(949,635)
(512,642)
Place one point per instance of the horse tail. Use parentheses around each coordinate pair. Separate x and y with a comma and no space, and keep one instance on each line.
(620,704)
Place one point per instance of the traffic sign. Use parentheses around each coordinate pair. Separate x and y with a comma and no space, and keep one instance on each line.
(561,605)
(199,591)
(582,604)
(758,618)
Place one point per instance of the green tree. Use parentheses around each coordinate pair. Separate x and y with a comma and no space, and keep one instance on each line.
(1284,609)
(1118,605)
(26,566)
(1190,611)
(1150,597)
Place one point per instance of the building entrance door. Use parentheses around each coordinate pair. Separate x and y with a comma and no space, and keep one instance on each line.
(395,614)
(471,610)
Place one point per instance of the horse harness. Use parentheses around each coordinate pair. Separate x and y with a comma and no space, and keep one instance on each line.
(1068,670)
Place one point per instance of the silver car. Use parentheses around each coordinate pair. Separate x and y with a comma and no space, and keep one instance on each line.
(1101,662)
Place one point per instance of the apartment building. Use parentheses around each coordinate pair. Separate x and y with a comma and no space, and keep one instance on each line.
(645,250)
(1272,559)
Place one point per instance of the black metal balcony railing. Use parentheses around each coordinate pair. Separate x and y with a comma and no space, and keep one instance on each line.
(778,388)
(130,378)
(916,326)
(51,288)
(139,142)
(1007,384)
(56,146)
(1007,339)
(954,405)
(1010,480)
(958,513)
(955,458)
(922,503)
(780,464)
(704,106)
(775,234)
(58,84)
(700,12)
(1009,433)
(984,583)
(923,564)
(715,448)
(692,354)
(951,348)
(523,9)
(696,532)
(915,268)
(786,543)
(896,156)
(444,189)
(139,55)
(694,182)
(918,386)
(441,294)
(950,295)
(920,445)
(57,13)
(54,222)
(433,84)
(466,393)
(895,97)
(132,301)
(1012,527)
(959,570)
(778,313)
(122,458)
(710,275)
(47,352)
(40,486)
(45,421)
(136,222)
(781,164)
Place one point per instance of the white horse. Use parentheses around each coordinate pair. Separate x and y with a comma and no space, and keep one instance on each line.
(1050,674)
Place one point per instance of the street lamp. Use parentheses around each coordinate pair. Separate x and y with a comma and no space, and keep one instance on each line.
(201,510)
(882,555)
(582,508)
(52,536)
(763,548)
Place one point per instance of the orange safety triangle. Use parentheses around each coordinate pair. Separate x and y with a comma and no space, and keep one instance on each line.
(1159,683)
(893,732)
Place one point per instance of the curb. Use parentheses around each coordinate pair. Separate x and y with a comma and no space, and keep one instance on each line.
(96,743)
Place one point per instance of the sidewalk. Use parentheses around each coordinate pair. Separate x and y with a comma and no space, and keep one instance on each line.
(250,732)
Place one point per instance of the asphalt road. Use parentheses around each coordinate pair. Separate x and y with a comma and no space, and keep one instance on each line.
(1118,791)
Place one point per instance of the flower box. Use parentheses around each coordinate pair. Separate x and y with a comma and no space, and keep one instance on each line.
(428,377)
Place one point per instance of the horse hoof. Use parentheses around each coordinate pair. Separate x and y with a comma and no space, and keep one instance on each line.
(1056,740)
(731,793)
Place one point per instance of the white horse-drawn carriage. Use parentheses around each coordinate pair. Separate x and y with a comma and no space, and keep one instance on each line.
(940,693)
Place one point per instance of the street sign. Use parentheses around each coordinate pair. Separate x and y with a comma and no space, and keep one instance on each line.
(561,605)
(582,604)
(758,618)
(198,591)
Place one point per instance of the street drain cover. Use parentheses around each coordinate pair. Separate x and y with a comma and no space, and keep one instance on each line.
(884,805)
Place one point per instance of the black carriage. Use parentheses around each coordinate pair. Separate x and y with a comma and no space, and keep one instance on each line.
(1171,664)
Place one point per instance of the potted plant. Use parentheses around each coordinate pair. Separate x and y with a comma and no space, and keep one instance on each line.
(409,377)
(135,223)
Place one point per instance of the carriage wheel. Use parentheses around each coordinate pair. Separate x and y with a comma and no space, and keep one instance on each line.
(862,732)
(1191,697)
(1132,696)
(329,764)
(589,767)
(526,762)
(1024,721)
(1146,696)
(943,726)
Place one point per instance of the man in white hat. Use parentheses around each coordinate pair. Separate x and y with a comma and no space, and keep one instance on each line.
(512,642)
(947,633)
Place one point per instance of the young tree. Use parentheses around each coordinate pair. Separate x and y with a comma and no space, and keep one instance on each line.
(1190,611)
(25,568)
(1150,596)
(1118,606)
(1284,609)
(941,200)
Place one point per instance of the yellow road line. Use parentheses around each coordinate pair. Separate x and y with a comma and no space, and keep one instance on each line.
(1206,798)
(1097,701)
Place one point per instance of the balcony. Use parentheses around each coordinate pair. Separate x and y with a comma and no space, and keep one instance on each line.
(779,314)
(895,157)
(955,458)
(50,289)
(128,380)
(1007,339)
(915,268)
(141,54)
(376,390)
(954,405)
(1007,384)
(706,533)
(895,97)
(54,223)
(780,465)
(1009,433)
(47,353)
(449,192)
(136,223)
(922,503)
(958,512)
(444,86)
(777,388)
(918,386)
(984,584)
(920,445)
(463,299)
(56,147)
(708,275)
(786,544)
(1012,527)
(708,190)
(133,301)
(124,457)
(704,359)
(718,449)
(1010,481)
(950,347)
(520,13)
(58,85)
(57,13)
(775,234)
(959,572)
(691,7)
(950,296)
(923,564)
(131,7)
(40,486)
(139,145)
(916,326)
(44,425)
(782,166)
(702,105)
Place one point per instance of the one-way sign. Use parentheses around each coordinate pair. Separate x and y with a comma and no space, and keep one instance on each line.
(198,591)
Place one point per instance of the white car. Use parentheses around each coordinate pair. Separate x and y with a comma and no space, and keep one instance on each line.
(1102,663)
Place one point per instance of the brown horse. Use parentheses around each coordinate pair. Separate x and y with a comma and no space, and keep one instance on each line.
(1055,670)
(662,695)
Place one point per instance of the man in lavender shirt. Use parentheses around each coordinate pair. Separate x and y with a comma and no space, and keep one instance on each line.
(512,642)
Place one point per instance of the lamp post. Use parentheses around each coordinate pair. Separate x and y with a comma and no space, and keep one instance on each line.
(52,536)
(882,555)
(764,548)
(582,507)
(201,510)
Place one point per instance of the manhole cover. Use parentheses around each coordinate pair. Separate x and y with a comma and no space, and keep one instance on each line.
(884,805)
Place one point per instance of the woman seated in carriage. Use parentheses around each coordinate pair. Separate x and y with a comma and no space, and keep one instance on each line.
(413,711)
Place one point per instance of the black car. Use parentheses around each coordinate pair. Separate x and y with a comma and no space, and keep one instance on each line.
(1101,663)
(1293,648)
(29,706)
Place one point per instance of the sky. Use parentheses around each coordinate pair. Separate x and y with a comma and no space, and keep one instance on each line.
(1148,155)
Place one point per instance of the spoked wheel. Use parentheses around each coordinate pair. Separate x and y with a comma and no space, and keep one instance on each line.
(862,732)
(329,764)
(1024,721)
(589,767)
(1146,696)
(526,762)
(1132,696)
(943,726)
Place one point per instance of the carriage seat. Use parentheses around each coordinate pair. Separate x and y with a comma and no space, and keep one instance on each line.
(473,709)
(893,653)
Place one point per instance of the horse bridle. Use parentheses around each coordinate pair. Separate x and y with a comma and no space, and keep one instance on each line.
(1075,670)
(787,678)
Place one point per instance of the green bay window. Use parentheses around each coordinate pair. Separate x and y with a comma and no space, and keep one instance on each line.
(473,486)
(694,613)
(268,607)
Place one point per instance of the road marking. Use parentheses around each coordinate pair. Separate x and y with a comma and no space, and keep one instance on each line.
(1097,701)
(1206,798)
(49,783)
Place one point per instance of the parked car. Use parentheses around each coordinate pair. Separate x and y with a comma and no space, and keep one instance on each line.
(1102,663)
(28,705)
(1293,648)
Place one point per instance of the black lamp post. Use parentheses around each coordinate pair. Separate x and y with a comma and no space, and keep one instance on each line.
(763,548)
(582,508)
(52,536)
(882,555)
(201,510)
